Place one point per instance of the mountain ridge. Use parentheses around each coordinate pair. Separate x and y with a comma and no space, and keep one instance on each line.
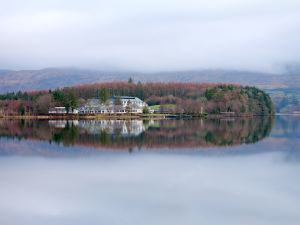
(51,78)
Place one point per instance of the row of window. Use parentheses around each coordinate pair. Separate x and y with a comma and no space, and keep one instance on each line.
(106,111)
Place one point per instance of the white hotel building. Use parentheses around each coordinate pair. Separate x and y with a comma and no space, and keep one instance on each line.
(127,104)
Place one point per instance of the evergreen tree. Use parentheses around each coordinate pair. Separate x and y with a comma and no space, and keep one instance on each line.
(130,80)
(104,95)
(118,101)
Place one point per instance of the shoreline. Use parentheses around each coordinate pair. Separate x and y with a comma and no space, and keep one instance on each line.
(129,116)
(76,117)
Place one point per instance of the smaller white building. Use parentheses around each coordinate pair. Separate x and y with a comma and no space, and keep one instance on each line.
(61,110)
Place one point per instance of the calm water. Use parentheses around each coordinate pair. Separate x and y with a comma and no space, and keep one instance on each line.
(238,171)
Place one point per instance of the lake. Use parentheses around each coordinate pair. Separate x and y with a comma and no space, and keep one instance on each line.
(225,171)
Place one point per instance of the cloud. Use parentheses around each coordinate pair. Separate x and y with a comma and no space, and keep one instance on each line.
(150,35)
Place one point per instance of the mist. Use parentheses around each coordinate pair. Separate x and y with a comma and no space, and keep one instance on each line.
(150,35)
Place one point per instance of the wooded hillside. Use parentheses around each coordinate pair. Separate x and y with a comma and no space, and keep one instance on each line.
(189,98)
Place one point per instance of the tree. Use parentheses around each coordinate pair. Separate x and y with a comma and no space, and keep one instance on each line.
(73,101)
(118,100)
(67,99)
(43,103)
(209,93)
(139,90)
(22,109)
(70,101)
(104,95)
(130,80)
(58,95)
(146,110)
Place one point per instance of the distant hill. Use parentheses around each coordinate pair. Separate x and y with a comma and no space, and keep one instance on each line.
(286,100)
(52,78)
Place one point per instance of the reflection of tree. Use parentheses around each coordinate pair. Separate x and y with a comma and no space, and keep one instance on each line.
(104,138)
(209,137)
(67,135)
(163,133)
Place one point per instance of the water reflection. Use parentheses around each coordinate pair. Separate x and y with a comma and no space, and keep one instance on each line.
(128,134)
(245,184)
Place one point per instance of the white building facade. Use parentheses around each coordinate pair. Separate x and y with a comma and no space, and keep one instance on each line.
(117,104)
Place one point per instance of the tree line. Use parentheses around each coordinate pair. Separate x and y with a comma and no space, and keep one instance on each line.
(191,98)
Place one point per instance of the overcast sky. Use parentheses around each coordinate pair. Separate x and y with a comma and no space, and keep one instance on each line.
(259,35)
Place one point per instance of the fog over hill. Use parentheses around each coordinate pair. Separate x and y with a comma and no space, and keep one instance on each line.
(51,78)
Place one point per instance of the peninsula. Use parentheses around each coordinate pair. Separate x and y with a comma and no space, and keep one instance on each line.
(139,99)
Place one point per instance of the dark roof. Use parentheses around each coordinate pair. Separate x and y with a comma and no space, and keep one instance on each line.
(124,97)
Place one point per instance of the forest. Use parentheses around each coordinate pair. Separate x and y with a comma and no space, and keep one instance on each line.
(186,98)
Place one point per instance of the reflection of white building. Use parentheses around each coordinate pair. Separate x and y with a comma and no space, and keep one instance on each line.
(122,104)
(118,127)
(122,127)
(62,123)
